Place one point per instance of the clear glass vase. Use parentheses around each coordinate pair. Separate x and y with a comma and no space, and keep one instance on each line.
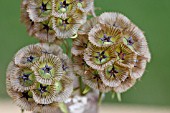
(81,104)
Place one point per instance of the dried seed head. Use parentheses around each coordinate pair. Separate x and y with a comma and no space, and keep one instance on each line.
(114,74)
(47,68)
(43,94)
(104,36)
(40,75)
(117,50)
(63,89)
(98,58)
(46,108)
(139,68)
(80,44)
(92,78)
(61,8)
(39,10)
(66,15)
(23,99)
(67,27)
(26,20)
(22,79)
(115,19)
(45,32)
(26,56)
(125,55)
(8,78)
(51,49)
(66,63)
(125,85)
(67,66)
(79,65)
(86,27)
(85,5)
(135,39)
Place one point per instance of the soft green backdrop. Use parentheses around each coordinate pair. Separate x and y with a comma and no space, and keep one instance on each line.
(152,16)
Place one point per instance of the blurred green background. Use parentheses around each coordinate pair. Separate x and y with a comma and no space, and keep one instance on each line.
(152,16)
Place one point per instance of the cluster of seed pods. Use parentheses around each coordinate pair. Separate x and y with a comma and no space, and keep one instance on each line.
(50,20)
(110,53)
(40,77)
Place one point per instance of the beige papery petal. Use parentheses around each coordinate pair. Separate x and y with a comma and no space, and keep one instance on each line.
(99,57)
(92,79)
(114,74)
(39,10)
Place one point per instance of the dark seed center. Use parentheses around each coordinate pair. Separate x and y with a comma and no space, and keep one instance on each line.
(106,38)
(64,4)
(43,7)
(42,89)
(101,56)
(47,69)
(30,59)
(130,41)
(113,72)
(46,27)
(25,95)
(25,77)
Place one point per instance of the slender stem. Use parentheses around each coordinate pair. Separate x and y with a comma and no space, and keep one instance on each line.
(119,97)
(22,110)
(66,44)
(77,88)
(80,85)
(100,98)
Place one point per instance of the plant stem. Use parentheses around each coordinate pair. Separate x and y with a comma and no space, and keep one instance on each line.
(100,98)
(81,85)
(22,110)
(66,44)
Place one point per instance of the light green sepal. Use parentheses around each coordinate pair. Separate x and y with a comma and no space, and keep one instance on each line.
(86,90)
(100,98)
(63,107)
(119,97)
(113,95)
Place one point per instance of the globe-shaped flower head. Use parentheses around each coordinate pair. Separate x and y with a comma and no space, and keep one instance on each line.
(110,53)
(50,20)
(40,75)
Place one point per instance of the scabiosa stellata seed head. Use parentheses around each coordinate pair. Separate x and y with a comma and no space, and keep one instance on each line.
(39,10)
(40,75)
(61,8)
(43,94)
(46,108)
(80,44)
(104,36)
(85,5)
(114,74)
(47,68)
(22,79)
(99,58)
(26,56)
(63,89)
(80,65)
(51,20)
(115,53)
(92,78)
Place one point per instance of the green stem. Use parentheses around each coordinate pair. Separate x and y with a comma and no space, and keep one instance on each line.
(66,44)
(81,85)
(22,110)
(119,97)
(100,98)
